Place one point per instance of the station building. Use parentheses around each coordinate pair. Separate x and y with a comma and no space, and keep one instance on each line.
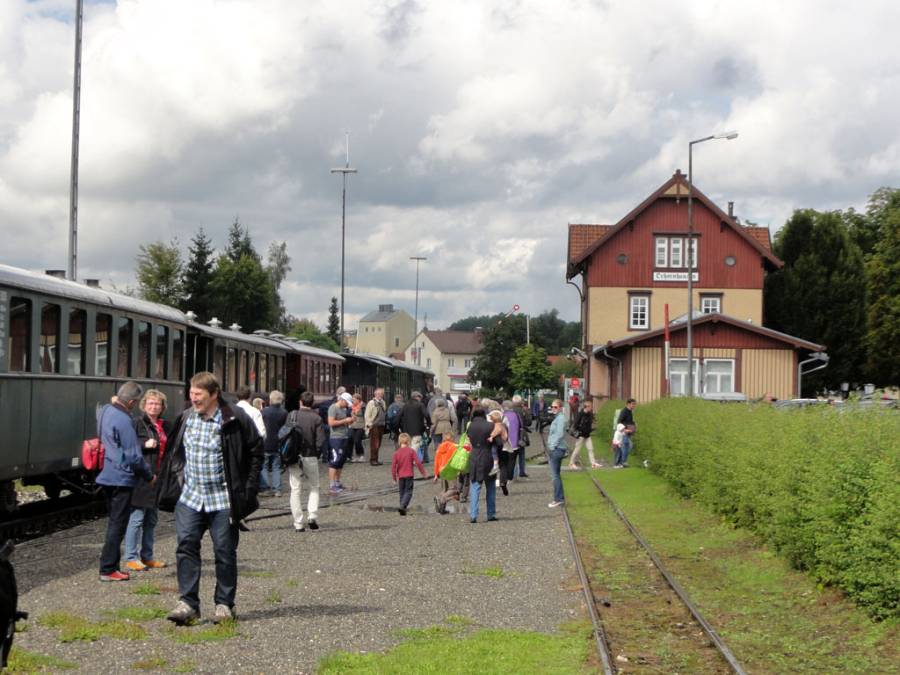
(631,270)
(385,332)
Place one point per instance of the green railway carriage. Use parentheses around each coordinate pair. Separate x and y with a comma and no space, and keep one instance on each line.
(64,348)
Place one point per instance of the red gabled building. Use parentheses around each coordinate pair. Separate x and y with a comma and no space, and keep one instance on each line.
(631,270)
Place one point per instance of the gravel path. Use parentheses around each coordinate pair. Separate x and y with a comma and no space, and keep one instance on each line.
(351,585)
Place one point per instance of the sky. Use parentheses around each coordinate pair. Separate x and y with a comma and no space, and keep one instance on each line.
(479,130)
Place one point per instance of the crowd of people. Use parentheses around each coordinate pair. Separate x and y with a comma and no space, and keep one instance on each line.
(213,463)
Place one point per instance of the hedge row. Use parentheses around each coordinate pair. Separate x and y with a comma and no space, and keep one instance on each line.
(822,486)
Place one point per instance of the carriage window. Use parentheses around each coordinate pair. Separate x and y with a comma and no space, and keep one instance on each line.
(123,361)
(279,369)
(143,359)
(254,372)
(264,372)
(162,354)
(219,365)
(232,369)
(242,368)
(19,335)
(49,338)
(102,326)
(77,320)
(177,349)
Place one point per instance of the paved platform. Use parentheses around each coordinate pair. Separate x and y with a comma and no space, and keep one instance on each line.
(350,585)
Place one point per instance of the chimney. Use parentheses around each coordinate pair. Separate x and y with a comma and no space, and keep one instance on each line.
(236,327)
(190,316)
(56,274)
(215,323)
(385,308)
(92,283)
(731,210)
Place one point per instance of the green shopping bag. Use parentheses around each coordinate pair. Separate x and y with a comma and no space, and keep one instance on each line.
(459,463)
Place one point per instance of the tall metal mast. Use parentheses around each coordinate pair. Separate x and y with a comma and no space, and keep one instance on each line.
(344,170)
(72,265)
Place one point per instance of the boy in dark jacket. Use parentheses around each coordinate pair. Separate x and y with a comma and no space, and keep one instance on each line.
(402,471)
(210,478)
(583,428)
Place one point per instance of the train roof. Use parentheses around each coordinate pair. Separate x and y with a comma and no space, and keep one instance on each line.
(378,359)
(237,336)
(302,348)
(71,290)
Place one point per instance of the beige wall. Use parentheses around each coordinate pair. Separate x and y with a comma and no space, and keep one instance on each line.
(599,380)
(646,373)
(609,308)
(382,337)
(767,371)
(439,362)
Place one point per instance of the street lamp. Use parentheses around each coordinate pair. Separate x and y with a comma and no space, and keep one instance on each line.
(728,136)
(418,259)
(344,170)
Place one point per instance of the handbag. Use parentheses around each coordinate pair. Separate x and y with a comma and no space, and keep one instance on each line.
(458,464)
(92,450)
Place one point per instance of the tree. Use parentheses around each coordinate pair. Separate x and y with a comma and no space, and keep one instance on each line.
(565,368)
(470,323)
(159,269)
(334,323)
(278,265)
(239,243)
(820,294)
(243,293)
(529,369)
(883,283)
(197,277)
(304,329)
(499,343)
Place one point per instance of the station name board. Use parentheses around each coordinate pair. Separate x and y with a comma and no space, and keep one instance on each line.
(673,276)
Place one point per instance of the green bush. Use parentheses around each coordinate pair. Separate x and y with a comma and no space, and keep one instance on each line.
(818,484)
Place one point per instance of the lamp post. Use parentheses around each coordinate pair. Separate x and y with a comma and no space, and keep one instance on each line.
(418,260)
(728,135)
(344,170)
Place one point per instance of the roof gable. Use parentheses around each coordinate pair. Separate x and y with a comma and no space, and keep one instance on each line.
(582,236)
(676,187)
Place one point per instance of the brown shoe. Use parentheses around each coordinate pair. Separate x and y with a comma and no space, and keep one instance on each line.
(154,564)
(135,566)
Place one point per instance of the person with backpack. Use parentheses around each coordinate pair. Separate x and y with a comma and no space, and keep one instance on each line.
(123,465)
(308,432)
(375,417)
(463,410)
(392,418)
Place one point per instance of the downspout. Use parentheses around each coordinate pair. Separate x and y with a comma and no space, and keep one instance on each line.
(816,356)
(621,366)
(584,329)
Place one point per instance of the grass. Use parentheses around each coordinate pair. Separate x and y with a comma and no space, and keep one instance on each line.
(258,574)
(459,620)
(74,628)
(139,613)
(292,583)
(185,666)
(774,618)
(274,597)
(21,661)
(200,634)
(152,663)
(493,572)
(146,588)
(488,652)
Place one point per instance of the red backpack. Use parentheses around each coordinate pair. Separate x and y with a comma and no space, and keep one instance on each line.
(92,451)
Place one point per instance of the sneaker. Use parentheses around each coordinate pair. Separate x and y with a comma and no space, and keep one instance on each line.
(300,529)
(596,465)
(115,576)
(437,505)
(402,511)
(223,613)
(523,475)
(505,491)
(135,566)
(335,491)
(154,564)
(277,493)
(492,519)
(183,614)
(313,525)
(553,505)
(494,469)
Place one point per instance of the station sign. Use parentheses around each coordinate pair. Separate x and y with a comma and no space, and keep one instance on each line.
(674,276)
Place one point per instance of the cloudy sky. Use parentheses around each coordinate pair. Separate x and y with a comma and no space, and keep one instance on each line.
(479,128)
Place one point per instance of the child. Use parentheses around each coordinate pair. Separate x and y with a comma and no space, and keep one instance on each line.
(618,440)
(402,470)
(496,417)
(444,454)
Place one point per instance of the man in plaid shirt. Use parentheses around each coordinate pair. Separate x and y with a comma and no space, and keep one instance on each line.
(210,480)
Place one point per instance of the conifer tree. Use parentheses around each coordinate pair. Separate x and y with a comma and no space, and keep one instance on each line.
(334,323)
(197,276)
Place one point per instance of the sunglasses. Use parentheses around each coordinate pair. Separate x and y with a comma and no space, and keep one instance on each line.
(554,407)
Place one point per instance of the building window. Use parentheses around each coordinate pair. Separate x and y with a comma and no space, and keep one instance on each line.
(451,362)
(678,377)
(77,320)
(671,252)
(718,376)
(428,363)
(468,363)
(162,352)
(177,349)
(123,356)
(711,304)
(638,312)
(19,335)
(103,326)
(143,361)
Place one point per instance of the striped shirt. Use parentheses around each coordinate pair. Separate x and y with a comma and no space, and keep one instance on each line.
(205,488)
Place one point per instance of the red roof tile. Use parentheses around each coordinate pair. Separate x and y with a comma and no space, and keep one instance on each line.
(761,235)
(583,235)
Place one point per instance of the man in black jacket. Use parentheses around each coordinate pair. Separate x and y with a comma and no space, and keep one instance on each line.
(210,478)
(309,425)
(583,427)
(414,421)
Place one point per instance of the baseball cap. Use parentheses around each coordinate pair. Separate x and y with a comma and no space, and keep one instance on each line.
(347,397)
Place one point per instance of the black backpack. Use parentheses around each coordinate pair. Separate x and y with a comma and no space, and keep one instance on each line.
(291,445)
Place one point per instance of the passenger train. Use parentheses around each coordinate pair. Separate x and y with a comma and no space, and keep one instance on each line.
(66,347)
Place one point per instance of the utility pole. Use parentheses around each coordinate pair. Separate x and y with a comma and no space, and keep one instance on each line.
(418,260)
(72,263)
(344,170)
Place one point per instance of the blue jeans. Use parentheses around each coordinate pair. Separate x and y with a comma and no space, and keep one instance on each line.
(422,450)
(556,457)
(490,498)
(140,533)
(521,454)
(270,474)
(623,450)
(190,526)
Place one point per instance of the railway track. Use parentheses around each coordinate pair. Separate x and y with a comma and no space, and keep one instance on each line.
(39,519)
(601,638)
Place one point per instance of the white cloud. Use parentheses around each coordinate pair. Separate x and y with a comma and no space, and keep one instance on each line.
(479,130)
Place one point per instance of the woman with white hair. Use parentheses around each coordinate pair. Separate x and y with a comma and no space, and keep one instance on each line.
(441,424)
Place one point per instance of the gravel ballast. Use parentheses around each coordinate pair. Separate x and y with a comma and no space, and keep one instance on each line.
(351,585)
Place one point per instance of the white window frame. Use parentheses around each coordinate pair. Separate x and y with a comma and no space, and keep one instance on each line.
(428,363)
(468,363)
(635,302)
(662,252)
(677,246)
(451,363)
(694,248)
(678,379)
(707,302)
(718,377)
